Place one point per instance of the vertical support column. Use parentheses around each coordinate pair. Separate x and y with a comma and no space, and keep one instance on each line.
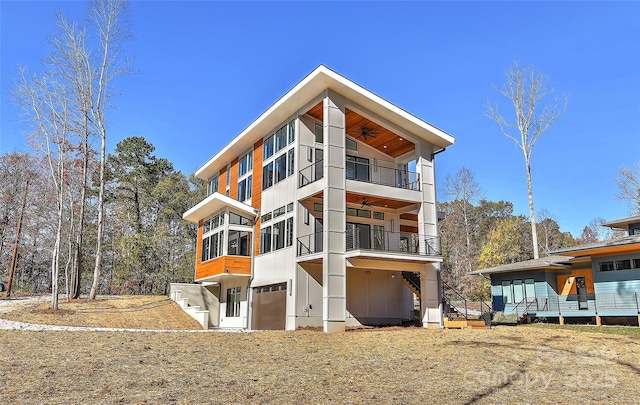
(431,300)
(334,271)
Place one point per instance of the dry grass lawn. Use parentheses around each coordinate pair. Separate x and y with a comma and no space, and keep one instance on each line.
(135,312)
(412,365)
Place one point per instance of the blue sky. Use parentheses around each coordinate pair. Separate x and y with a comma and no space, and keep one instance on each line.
(210,68)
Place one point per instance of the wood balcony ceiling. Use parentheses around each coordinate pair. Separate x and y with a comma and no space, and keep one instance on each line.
(369,132)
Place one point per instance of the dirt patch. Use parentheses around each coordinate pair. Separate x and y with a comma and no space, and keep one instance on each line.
(134,312)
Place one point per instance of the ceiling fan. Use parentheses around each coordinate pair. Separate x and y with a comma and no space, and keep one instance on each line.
(367,132)
(367,203)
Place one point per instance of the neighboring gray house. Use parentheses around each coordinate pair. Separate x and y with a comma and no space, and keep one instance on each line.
(597,282)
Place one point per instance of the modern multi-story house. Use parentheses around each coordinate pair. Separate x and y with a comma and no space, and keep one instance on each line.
(597,282)
(321,213)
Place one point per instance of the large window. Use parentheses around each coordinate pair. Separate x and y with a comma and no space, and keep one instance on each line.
(212,185)
(236,219)
(506,292)
(289,231)
(529,289)
(281,168)
(267,148)
(245,164)
(621,264)
(233,301)
(212,246)
(244,188)
(267,176)
(290,162)
(292,131)
(357,168)
(281,138)
(239,243)
(265,240)
(518,291)
(278,235)
(319,132)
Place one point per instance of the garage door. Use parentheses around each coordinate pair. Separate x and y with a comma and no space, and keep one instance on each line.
(269,307)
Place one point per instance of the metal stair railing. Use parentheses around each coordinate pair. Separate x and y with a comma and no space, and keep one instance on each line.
(450,304)
(484,310)
(522,308)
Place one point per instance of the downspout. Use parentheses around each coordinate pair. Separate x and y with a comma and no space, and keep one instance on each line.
(249,290)
(433,155)
(440,306)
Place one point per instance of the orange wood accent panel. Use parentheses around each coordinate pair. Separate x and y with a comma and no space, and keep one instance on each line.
(217,266)
(567,282)
(199,245)
(222,181)
(407,228)
(410,217)
(233,184)
(256,192)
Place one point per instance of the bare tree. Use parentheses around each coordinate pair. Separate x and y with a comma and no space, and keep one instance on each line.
(628,181)
(526,87)
(462,190)
(45,102)
(71,61)
(109,18)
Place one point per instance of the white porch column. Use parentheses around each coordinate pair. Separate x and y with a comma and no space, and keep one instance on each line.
(431,303)
(334,274)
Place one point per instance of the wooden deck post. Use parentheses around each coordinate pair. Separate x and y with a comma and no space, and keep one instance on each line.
(598,320)
(561,318)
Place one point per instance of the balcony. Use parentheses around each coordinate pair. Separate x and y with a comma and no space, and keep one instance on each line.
(404,243)
(365,172)
(392,242)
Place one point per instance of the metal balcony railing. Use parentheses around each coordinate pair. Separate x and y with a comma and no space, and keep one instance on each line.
(309,244)
(311,173)
(624,301)
(381,241)
(382,175)
(397,242)
(358,171)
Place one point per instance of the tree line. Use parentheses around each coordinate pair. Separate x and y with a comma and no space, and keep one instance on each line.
(146,244)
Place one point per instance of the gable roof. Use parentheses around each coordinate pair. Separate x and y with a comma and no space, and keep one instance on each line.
(302,93)
(554,261)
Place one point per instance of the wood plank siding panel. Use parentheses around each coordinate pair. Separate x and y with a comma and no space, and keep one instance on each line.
(233,183)
(567,282)
(222,181)
(407,228)
(256,193)
(217,266)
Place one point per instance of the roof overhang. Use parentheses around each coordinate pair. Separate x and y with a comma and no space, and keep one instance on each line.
(214,203)
(545,263)
(622,223)
(315,83)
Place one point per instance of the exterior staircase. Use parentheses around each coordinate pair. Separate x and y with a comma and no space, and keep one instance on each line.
(192,310)
(461,313)
(412,281)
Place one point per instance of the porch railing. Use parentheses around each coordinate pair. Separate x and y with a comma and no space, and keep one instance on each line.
(309,244)
(310,174)
(383,175)
(374,174)
(396,242)
(393,242)
(624,301)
